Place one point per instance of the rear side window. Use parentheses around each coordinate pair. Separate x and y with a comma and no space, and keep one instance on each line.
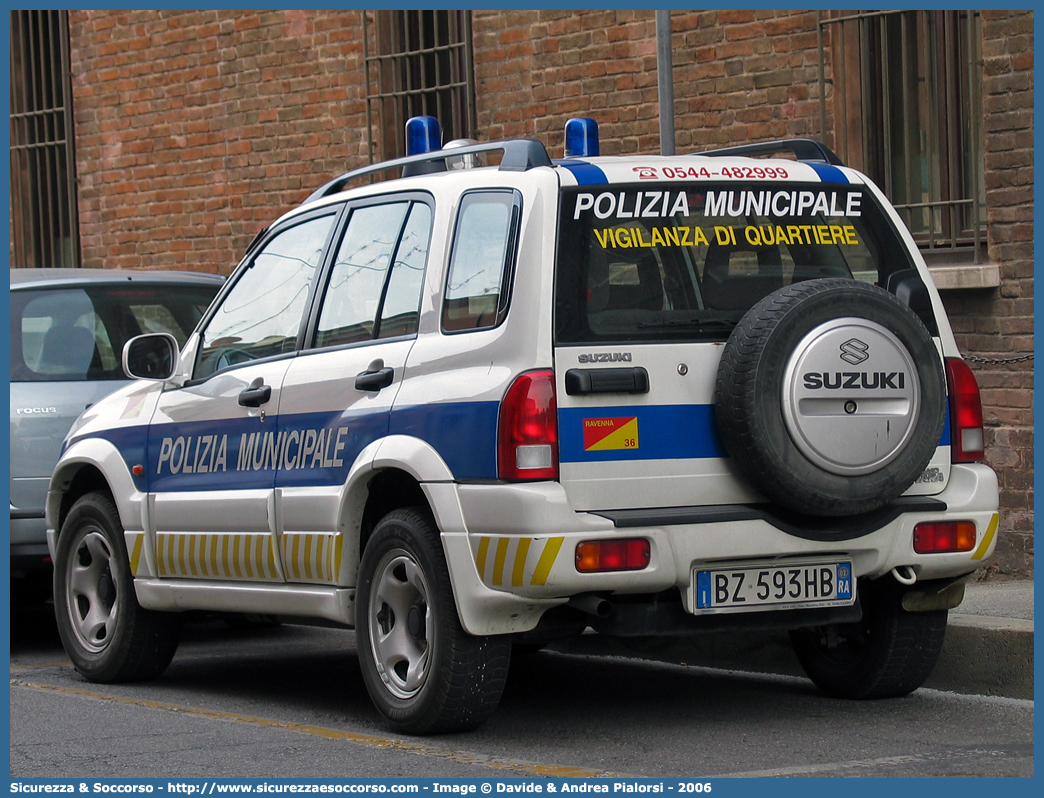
(79,333)
(483,255)
(685,262)
(375,283)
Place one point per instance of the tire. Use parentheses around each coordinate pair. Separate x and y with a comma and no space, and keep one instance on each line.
(423,672)
(108,636)
(830,397)
(888,654)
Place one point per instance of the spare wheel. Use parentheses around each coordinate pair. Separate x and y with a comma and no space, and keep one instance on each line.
(830,397)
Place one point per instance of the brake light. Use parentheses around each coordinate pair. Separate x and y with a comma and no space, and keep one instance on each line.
(595,556)
(527,431)
(967,440)
(935,538)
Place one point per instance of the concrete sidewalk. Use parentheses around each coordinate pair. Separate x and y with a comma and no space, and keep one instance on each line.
(989,641)
(988,648)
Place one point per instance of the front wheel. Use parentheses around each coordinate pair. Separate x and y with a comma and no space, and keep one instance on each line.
(424,673)
(889,653)
(108,636)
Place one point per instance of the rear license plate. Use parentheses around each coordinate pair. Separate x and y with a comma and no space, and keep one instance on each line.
(779,587)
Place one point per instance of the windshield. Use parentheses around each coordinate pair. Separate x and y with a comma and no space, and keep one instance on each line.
(685,261)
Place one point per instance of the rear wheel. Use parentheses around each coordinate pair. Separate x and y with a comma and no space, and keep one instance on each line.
(109,637)
(424,673)
(889,653)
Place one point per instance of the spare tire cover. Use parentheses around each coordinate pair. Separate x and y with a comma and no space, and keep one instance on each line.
(830,397)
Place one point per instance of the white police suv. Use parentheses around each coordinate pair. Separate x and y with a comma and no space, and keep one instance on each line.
(478,405)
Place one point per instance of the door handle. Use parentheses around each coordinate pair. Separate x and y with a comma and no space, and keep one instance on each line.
(373,379)
(256,394)
(580,382)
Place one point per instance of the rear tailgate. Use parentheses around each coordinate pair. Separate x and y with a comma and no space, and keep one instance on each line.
(651,279)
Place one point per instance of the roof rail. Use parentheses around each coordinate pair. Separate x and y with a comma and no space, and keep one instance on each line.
(519,156)
(803,150)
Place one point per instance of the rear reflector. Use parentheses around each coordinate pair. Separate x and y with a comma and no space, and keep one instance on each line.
(595,556)
(936,538)
(967,441)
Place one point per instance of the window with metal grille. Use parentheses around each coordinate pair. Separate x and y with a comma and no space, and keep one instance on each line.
(44,229)
(907,110)
(418,63)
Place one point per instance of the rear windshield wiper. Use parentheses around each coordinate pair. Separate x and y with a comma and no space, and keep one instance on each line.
(703,325)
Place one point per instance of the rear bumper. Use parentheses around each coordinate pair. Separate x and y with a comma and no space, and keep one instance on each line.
(520,540)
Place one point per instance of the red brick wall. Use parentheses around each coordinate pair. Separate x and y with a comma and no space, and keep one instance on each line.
(536,69)
(195,128)
(739,76)
(998,324)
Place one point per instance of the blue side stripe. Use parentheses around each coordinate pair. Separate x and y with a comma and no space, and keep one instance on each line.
(305,449)
(463,433)
(586,174)
(828,173)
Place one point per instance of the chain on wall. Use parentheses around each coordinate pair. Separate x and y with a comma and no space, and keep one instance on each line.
(997,361)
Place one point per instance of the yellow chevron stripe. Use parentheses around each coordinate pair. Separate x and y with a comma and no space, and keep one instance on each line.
(513,561)
(202,555)
(547,559)
(310,557)
(135,557)
(521,553)
(498,561)
(987,539)
(214,555)
(480,559)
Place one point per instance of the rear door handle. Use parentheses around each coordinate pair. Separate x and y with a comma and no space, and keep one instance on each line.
(376,377)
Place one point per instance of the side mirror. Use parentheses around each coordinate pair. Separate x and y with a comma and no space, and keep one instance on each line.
(151,357)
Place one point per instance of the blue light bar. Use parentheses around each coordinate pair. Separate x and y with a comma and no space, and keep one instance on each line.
(423,135)
(581,137)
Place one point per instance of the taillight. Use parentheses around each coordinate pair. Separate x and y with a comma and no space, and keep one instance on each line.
(935,538)
(596,556)
(967,441)
(527,432)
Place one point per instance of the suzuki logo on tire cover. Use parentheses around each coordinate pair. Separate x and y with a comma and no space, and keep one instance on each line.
(854,351)
(850,423)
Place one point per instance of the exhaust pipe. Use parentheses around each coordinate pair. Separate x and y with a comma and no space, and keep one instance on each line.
(591,604)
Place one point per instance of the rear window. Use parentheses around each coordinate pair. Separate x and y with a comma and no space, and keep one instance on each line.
(79,333)
(685,262)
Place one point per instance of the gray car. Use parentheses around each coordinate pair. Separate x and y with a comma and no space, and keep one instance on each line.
(68,328)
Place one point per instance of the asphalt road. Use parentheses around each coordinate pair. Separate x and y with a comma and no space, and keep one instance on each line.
(289,702)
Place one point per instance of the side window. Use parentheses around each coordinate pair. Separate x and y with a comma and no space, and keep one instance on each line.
(58,335)
(359,274)
(261,315)
(79,333)
(399,315)
(375,283)
(480,266)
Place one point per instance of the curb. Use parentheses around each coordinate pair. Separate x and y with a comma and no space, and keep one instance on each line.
(986,656)
(981,655)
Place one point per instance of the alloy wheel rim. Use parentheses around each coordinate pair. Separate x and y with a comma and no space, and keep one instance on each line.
(93,606)
(401,624)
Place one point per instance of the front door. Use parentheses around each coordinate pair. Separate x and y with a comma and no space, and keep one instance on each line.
(214,444)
